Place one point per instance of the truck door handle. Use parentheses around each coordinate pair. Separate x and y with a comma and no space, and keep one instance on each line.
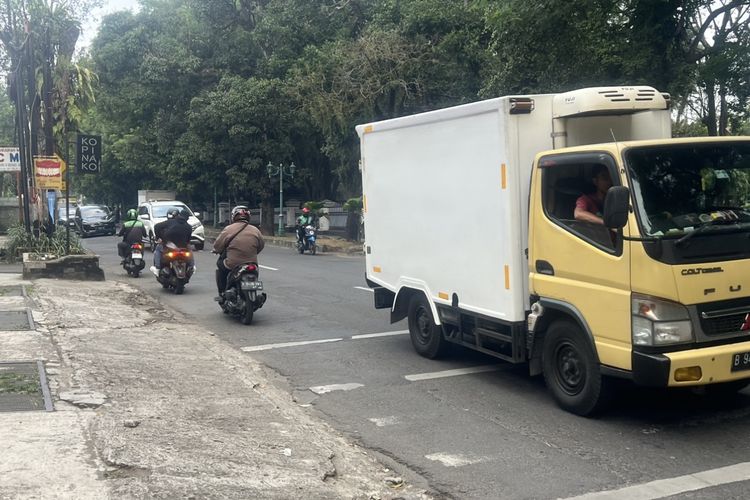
(544,267)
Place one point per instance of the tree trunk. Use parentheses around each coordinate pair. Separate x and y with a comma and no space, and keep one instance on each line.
(710,118)
(267,219)
(723,112)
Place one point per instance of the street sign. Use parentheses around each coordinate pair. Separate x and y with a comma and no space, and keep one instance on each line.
(10,160)
(89,154)
(49,172)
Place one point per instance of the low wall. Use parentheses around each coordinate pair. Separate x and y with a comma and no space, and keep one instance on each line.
(70,267)
(9,213)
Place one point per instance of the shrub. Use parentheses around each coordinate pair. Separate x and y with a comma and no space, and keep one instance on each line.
(21,241)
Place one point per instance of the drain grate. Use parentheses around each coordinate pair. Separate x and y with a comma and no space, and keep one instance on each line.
(16,320)
(23,387)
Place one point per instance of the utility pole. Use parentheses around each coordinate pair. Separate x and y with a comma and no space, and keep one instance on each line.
(22,145)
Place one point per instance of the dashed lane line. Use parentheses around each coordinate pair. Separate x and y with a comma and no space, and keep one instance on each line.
(663,488)
(268,268)
(452,373)
(268,347)
(365,289)
(376,335)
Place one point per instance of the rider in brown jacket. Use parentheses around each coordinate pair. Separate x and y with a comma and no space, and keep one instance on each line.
(239,243)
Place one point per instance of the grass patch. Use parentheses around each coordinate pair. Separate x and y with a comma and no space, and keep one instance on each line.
(14,383)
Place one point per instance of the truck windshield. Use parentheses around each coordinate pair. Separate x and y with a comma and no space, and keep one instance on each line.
(682,187)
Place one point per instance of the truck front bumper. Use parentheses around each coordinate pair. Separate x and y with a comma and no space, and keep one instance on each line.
(715,363)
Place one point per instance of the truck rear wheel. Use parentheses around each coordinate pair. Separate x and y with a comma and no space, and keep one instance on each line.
(571,371)
(426,336)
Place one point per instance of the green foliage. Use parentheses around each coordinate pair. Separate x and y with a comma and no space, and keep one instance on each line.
(353,205)
(200,95)
(19,241)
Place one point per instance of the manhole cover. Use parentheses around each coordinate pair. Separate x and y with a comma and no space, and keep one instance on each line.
(16,320)
(23,387)
(11,291)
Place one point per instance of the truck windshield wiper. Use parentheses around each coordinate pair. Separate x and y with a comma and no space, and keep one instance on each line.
(715,222)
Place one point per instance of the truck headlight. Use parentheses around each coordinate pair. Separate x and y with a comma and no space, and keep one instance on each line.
(657,322)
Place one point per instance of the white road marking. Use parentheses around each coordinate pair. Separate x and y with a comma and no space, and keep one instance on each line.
(269,268)
(453,460)
(674,486)
(266,347)
(365,289)
(452,373)
(385,421)
(375,335)
(323,389)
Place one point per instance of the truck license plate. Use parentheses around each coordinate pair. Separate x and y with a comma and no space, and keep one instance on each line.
(741,361)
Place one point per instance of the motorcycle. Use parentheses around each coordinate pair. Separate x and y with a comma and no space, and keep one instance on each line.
(244,293)
(176,269)
(308,240)
(134,262)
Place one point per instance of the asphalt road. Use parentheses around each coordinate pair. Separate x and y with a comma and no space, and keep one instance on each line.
(484,435)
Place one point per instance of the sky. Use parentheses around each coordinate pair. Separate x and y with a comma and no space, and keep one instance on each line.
(91,25)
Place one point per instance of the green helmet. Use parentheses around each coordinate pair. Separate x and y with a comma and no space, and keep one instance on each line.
(131,214)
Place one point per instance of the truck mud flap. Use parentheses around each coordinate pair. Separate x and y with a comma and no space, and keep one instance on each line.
(383,298)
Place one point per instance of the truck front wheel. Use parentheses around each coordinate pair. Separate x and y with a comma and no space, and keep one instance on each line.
(426,336)
(571,371)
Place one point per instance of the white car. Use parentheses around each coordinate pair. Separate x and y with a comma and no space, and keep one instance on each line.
(153,212)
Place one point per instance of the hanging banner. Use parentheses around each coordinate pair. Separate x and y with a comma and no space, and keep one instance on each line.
(49,172)
(89,154)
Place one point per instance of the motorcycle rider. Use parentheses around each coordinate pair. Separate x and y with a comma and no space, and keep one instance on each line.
(239,243)
(306,219)
(159,231)
(132,231)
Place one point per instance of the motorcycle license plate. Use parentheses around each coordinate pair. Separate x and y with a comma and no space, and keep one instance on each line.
(137,255)
(252,285)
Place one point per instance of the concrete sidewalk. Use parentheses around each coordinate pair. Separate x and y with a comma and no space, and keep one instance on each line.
(149,405)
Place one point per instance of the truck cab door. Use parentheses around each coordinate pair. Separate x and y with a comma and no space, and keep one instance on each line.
(577,266)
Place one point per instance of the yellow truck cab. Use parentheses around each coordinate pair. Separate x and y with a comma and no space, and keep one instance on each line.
(566,231)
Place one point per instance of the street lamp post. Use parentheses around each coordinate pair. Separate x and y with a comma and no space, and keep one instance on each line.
(280,171)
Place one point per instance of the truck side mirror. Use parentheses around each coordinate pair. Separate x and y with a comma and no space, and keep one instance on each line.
(616,207)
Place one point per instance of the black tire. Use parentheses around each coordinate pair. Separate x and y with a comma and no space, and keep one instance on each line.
(151,242)
(247,315)
(199,246)
(136,273)
(313,249)
(571,371)
(179,288)
(426,336)
(300,249)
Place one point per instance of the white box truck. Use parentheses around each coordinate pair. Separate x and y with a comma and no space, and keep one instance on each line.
(485,226)
(145,195)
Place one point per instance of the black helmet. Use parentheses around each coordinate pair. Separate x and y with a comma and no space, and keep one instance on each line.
(184,214)
(240,213)
(173,212)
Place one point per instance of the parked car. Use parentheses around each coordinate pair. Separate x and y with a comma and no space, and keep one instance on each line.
(94,220)
(70,219)
(153,212)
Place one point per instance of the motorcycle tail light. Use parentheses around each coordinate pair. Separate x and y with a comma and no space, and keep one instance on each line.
(170,254)
(136,246)
(251,267)
(186,254)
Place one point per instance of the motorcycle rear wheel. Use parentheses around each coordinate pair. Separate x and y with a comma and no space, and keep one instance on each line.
(313,249)
(179,288)
(247,315)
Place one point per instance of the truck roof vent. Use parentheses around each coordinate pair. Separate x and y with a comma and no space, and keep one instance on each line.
(607,101)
